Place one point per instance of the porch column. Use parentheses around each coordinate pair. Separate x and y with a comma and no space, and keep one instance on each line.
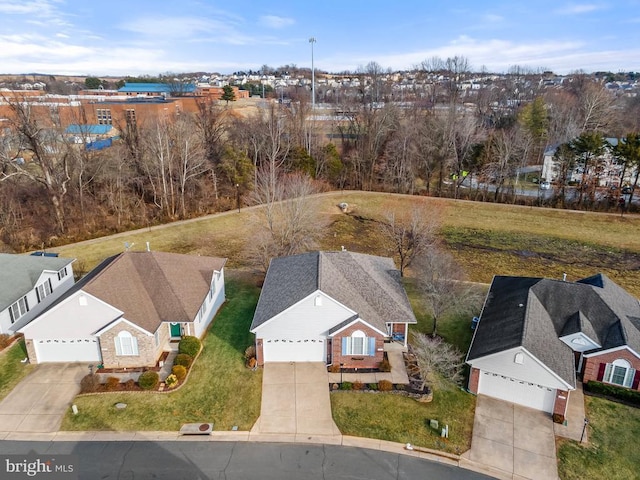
(406,333)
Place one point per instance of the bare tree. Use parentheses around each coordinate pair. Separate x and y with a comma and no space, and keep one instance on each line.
(439,361)
(409,236)
(38,151)
(442,285)
(288,219)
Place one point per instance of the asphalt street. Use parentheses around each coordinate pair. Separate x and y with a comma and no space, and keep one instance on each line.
(237,460)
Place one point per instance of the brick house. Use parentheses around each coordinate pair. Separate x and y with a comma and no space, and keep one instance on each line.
(126,311)
(536,336)
(332,307)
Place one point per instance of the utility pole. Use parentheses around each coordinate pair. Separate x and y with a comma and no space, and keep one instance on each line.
(312,40)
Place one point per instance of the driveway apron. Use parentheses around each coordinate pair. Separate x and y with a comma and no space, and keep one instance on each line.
(295,400)
(39,401)
(514,442)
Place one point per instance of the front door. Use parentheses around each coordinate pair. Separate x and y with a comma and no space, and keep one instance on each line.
(175,330)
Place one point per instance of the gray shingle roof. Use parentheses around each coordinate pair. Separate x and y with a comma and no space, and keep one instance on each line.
(19,274)
(550,309)
(367,284)
(155,287)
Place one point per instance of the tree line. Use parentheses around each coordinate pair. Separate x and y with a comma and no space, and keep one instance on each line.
(54,189)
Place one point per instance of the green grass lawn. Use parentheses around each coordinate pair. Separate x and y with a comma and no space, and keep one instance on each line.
(12,369)
(219,389)
(401,419)
(612,452)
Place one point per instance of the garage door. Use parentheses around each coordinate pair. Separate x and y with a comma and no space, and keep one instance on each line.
(67,350)
(302,350)
(517,391)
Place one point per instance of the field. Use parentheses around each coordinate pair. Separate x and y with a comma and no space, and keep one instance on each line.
(487,239)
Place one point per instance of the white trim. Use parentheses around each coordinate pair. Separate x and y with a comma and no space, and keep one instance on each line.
(513,351)
(612,350)
(312,294)
(112,324)
(356,321)
(43,315)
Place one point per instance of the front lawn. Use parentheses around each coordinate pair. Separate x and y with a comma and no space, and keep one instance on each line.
(219,389)
(12,370)
(395,418)
(612,452)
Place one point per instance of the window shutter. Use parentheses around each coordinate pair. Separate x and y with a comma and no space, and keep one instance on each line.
(372,346)
(118,346)
(636,380)
(601,371)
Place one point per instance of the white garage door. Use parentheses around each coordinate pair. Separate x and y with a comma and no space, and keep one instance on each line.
(66,350)
(517,391)
(304,350)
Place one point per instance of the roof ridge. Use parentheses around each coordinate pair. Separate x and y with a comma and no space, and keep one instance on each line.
(165,282)
(319,267)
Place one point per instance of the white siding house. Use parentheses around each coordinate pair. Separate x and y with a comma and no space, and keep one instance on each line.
(29,284)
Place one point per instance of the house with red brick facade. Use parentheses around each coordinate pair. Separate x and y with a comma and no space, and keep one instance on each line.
(536,337)
(127,311)
(333,307)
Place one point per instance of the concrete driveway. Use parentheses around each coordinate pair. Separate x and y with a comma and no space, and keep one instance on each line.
(513,442)
(295,402)
(39,401)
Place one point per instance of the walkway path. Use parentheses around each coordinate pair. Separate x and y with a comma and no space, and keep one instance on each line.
(575,417)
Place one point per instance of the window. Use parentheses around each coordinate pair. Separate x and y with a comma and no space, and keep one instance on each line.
(18,309)
(156,337)
(203,309)
(44,290)
(358,344)
(103,116)
(62,273)
(130,117)
(619,373)
(126,344)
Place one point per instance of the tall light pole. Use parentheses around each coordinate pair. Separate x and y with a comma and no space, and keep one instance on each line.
(312,40)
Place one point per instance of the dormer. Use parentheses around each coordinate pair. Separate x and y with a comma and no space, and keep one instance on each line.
(578,333)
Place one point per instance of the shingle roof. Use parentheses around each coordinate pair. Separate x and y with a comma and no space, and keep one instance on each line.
(155,287)
(367,284)
(534,313)
(19,274)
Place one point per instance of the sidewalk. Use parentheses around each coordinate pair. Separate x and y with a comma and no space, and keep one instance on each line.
(575,417)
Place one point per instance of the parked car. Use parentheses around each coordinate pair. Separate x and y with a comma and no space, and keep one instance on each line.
(626,190)
(545,185)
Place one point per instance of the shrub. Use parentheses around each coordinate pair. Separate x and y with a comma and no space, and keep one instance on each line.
(179,371)
(384,365)
(346,386)
(335,368)
(148,380)
(4,340)
(171,381)
(130,384)
(112,383)
(372,386)
(250,352)
(358,385)
(183,359)
(252,362)
(385,386)
(189,345)
(89,383)
(613,391)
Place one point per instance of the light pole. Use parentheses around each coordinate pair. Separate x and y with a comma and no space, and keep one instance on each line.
(312,40)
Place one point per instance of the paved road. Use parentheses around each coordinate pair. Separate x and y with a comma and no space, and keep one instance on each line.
(237,460)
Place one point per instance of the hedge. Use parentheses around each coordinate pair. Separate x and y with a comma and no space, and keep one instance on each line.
(189,345)
(620,393)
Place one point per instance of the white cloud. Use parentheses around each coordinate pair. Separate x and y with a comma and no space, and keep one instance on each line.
(274,21)
(578,8)
(492,18)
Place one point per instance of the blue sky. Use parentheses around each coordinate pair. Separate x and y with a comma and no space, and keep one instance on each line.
(115,37)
